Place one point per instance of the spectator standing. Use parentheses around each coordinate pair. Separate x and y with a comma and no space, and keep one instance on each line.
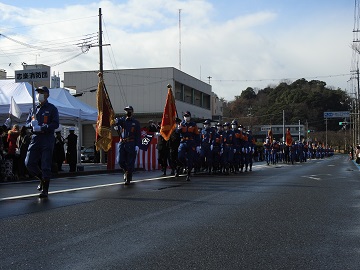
(59,152)
(71,151)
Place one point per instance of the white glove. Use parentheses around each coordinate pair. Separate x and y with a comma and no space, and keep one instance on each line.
(7,123)
(234,150)
(116,127)
(157,134)
(36,128)
(243,150)
(211,147)
(137,148)
(221,151)
(198,149)
(34,123)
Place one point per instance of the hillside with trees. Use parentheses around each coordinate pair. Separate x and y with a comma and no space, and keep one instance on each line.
(301,100)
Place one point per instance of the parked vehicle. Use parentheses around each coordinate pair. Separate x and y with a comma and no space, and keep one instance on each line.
(87,155)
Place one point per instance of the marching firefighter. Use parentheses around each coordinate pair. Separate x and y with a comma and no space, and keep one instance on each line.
(207,137)
(43,124)
(130,140)
(189,144)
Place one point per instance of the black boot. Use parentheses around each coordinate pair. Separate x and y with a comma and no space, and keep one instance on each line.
(45,188)
(40,186)
(126,178)
(129,178)
(188,175)
(164,171)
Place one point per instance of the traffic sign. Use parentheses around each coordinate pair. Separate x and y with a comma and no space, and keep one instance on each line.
(343,114)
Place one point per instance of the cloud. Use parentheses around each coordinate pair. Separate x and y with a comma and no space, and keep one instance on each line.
(237,52)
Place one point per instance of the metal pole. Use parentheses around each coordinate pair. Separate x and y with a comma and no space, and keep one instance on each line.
(299,131)
(283,126)
(33,99)
(326,120)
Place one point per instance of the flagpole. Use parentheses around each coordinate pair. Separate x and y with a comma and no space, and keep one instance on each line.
(33,99)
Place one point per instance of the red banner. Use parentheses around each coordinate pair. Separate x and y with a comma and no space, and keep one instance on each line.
(288,138)
(168,123)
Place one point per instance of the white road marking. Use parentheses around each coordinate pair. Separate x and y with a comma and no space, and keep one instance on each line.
(80,188)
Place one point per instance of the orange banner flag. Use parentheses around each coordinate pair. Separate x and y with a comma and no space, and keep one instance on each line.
(168,123)
(106,117)
(288,138)
(270,135)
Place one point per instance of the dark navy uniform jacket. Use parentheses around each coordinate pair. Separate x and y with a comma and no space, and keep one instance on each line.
(47,116)
(189,132)
(130,129)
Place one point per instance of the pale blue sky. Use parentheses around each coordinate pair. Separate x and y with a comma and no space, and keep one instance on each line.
(239,43)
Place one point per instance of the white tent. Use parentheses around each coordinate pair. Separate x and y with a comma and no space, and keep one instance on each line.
(71,110)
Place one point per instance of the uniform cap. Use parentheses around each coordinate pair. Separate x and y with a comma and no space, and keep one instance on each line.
(187,113)
(218,124)
(72,129)
(207,122)
(226,124)
(43,89)
(234,122)
(128,108)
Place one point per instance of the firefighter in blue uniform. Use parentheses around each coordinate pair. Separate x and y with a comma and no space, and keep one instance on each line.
(249,151)
(207,137)
(229,148)
(130,140)
(39,155)
(216,151)
(267,150)
(238,146)
(189,144)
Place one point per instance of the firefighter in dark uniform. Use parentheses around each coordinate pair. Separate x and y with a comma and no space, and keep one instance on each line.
(249,148)
(189,144)
(163,152)
(229,147)
(71,150)
(42,142)
(238,155)
(207,137)
(130,140)
(174,143)
(217,146)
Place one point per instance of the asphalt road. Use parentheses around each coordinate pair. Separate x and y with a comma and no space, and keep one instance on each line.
(303,216)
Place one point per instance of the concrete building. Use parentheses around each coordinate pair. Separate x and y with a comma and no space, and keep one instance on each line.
(261,132)
(146,90)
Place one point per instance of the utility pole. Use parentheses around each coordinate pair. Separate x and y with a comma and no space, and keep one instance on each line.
(101,68)
(209,78)
(179,39)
